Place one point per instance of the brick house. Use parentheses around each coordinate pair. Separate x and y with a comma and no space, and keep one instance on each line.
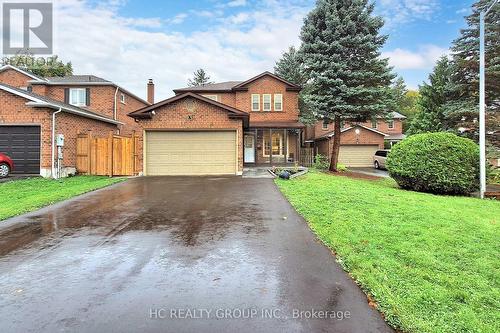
(35,110)
(359,141)
(220,128)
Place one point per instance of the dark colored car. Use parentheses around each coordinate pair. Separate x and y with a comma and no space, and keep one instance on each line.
(6,165)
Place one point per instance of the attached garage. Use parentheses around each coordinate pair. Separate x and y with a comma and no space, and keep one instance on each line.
(190,153)
(22,144)
(357,155)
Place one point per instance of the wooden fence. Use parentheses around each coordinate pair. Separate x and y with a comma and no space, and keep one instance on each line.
(113,155)
(306,157)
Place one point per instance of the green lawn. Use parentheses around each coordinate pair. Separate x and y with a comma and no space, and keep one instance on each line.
(24,195)
(431,262)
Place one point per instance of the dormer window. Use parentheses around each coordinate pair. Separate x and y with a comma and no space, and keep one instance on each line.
(78,96)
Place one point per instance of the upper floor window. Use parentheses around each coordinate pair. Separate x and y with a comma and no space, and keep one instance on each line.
(122,98)
(255,102)
(374,124)
(78,96)
(342,124)
(278,102)
(266,100)
(212,97)
(325,124)
(390,124)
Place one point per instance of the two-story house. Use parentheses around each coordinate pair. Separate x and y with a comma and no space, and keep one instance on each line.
(358,141)
(35,110)
(220,128)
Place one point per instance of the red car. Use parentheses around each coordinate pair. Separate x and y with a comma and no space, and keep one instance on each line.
(6,165)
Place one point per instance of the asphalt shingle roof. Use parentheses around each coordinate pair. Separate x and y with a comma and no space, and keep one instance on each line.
(76,79)
(228,85)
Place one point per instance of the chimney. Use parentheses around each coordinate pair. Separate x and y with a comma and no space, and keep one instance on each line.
(151,91)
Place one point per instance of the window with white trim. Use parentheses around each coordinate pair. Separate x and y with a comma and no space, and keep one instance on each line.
(266,102)
(325,124)
(212,97)
(390,124)
(78,96)
(278,102)
(374,124)
(255,102)
(122,98)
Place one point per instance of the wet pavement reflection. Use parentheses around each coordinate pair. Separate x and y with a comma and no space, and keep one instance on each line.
(134,256)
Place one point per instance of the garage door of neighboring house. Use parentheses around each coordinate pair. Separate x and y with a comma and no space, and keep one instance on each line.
(357,155)
(190,153)
(22,144)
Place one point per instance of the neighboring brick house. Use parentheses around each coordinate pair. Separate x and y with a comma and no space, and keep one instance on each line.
(28,105)
(359,141)
(220,128)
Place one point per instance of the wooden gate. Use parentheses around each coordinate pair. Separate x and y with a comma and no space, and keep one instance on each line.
(114,155)
(306,157)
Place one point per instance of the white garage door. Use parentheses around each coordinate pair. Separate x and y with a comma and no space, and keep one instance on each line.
(190,153)
(357,155)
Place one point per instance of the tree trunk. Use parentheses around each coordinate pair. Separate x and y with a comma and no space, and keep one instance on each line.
(334,160)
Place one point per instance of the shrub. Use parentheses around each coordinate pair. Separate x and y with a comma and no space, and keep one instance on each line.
(321,162)
(341,167)
(435,162)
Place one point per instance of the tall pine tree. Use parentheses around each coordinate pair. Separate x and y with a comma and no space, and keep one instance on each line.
(291,68)
(200,78)
(434,96)
(466,56)
(341,46)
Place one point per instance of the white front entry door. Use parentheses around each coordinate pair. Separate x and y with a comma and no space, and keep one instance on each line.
(249,149)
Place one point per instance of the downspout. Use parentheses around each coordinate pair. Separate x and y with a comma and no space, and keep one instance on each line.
(115,104)
(53,141)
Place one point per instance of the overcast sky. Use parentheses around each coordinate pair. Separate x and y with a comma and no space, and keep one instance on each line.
(131,41)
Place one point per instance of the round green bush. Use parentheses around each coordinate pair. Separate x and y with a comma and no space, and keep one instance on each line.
(440,163)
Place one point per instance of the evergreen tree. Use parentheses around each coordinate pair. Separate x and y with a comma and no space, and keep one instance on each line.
(433,96)
(41,66)
(341,53)
(291,68)
(466,56)
(200,78)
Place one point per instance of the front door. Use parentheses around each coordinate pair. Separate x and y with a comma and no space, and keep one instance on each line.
(249,149)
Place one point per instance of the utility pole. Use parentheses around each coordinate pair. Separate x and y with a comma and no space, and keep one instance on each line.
(482,100)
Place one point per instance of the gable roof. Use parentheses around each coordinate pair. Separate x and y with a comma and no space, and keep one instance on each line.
(291,86)
(230,86)
(211,87)
(332,133)
(17,69)
(146,112)
(36,100)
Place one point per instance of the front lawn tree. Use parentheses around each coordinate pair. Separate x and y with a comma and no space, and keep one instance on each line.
(348,78)
(291,68)
(200,78)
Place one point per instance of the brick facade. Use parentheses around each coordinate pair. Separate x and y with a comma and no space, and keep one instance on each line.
(102,99)
(365,137)
(14,78)
(192,114)
(317,129)
(14,111)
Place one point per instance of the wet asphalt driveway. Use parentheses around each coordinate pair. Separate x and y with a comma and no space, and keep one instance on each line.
(150,254)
